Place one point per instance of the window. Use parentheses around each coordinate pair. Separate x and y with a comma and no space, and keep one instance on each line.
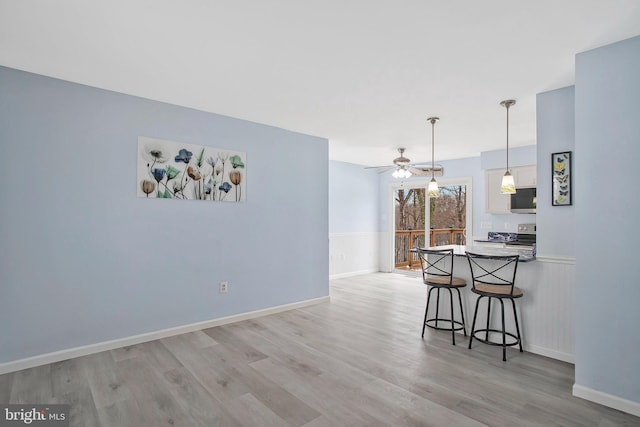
(449,218)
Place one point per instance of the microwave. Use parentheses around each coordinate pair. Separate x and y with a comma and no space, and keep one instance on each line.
(524,200)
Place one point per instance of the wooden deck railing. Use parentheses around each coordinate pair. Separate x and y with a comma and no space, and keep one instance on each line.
(409,239)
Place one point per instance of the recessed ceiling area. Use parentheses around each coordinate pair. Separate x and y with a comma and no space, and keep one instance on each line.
(364,74)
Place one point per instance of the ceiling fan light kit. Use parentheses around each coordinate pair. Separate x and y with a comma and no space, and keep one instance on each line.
(401,172)
(401,162)
(403,168)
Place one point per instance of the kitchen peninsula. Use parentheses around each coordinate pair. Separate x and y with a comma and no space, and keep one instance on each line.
(543,310)
(525,255)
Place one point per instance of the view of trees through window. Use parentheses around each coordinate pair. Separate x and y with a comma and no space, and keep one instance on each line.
(410,212)
(447,211)
(447,215)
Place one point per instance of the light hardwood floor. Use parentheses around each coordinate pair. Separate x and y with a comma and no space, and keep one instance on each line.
(356,361)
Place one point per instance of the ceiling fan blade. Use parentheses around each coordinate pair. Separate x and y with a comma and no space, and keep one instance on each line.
(380,167)
(418,171)
(425,170)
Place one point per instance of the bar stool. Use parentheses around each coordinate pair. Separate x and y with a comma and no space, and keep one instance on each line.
(494,277)
(437,274)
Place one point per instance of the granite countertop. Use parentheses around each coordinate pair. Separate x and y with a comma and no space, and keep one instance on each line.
(526,255)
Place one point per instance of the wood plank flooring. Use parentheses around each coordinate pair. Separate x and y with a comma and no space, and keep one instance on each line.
(356,361)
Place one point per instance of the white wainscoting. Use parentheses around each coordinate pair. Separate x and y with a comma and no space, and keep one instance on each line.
(386,258)
(548,308)
(546,311)
(351,254)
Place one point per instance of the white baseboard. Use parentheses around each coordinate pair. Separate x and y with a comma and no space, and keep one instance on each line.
(553,354)
(352,273)
(57,356)
(606,399)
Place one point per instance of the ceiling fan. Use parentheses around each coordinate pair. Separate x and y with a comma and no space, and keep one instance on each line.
(404,168)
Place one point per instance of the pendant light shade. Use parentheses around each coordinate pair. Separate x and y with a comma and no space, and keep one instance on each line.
(433,190)
(508,184)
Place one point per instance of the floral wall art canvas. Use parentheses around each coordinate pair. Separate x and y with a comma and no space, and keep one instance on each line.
(174,170)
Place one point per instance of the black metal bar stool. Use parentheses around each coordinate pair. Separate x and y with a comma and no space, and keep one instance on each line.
(437,274)
(494,277)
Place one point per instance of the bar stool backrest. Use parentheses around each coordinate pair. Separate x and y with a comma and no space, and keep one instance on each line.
(437,265)
(497,271)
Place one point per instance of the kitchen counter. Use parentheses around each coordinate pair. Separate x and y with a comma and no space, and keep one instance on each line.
(546,311)
(526,255)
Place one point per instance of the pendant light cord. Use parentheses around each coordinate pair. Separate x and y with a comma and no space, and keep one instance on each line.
(433,159)
(433,121)
(508,105)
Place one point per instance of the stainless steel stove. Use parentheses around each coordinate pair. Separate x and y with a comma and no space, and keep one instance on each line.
(526,236)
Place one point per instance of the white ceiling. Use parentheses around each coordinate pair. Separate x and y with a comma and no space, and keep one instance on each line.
(363,73)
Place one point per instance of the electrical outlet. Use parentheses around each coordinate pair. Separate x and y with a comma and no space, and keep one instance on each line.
(224,287)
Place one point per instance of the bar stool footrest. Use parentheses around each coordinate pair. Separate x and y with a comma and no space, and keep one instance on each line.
(475,333)
(459,326)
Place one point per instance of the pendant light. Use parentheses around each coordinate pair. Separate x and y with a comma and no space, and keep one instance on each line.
(508,185)
(433,190)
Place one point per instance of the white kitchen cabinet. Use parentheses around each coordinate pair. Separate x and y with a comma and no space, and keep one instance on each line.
(495,201)
(524,176)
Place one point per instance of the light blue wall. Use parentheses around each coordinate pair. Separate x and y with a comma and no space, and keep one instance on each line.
(472,167)
(83,260)
(555,129)
(353,198)
(607,95)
